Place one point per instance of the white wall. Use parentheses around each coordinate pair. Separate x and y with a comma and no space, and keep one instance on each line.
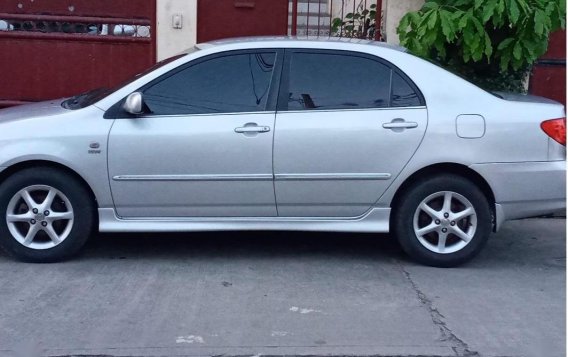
(172,41)
(394,11)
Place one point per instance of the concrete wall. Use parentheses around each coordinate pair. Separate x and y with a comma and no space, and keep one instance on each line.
(171,41)
(394,11)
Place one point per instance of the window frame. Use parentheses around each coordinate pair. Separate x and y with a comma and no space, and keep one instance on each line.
(117,112)
(282,105)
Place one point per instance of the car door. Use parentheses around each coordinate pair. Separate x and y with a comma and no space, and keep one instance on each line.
(347,123)
(204,149)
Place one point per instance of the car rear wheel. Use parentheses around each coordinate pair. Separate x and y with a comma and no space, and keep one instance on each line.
(443,221)
(48,215)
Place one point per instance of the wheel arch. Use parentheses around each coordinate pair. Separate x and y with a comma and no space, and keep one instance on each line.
(446,168)
(19,166)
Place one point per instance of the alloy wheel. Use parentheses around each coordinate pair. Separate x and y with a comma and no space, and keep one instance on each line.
(445,222)
(40,217)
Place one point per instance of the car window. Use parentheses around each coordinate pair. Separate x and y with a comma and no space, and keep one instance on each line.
(227,84)
(403,95)
(321,81)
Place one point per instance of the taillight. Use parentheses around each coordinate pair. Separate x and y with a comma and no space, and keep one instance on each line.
(556,129)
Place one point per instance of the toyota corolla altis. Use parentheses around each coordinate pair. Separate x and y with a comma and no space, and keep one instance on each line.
(281,134)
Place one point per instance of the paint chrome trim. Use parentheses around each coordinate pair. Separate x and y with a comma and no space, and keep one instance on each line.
(252,177)
(331,177)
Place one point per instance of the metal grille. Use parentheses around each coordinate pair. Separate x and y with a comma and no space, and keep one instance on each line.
(38,25)
(336,18)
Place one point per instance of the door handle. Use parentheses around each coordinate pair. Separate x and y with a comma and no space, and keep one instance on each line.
(400,124)
(252,129)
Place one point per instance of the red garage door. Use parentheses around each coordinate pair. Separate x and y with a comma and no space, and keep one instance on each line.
(235,18)
(549,74)
(57,48)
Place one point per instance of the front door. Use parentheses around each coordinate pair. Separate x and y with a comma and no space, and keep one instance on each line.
(346,126)
(205,148)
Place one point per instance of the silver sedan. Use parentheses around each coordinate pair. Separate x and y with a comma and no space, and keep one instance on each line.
(281,134)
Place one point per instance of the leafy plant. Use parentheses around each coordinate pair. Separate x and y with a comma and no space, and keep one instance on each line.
(358,24)
(487,40)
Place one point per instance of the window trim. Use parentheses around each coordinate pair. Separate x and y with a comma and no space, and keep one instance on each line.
(116,111)
(282,105)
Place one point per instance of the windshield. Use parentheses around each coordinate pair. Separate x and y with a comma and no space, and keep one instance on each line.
(91,97)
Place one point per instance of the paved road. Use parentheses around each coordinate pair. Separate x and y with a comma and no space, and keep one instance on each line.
(287,294)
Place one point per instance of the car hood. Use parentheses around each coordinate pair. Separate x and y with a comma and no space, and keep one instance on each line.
(34,110)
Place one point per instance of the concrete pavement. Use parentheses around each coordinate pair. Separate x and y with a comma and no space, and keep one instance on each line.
(288,293)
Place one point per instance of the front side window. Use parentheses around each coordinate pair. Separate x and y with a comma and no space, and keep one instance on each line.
(228,84)
(334,81)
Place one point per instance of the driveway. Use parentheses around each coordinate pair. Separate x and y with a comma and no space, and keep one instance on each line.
(259,293)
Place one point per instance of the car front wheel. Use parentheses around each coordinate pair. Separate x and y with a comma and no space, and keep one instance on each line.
(48,215)
(443,221)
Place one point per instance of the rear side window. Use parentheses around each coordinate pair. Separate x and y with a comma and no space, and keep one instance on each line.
(228,84)
(324,81)
(403,95)
(330,81)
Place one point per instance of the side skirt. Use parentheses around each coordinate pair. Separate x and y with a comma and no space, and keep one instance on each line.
(374,221)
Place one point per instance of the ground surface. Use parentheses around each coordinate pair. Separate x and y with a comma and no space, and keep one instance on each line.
(287,294)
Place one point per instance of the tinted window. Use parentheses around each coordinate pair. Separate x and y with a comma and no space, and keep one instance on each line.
(402,93)
(228,84)
(330,81)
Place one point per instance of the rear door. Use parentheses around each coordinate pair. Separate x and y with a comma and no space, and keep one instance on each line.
(347,123)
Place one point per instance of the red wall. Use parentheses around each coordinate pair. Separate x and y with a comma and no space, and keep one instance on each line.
(38,65)
(548,77)
(217,19)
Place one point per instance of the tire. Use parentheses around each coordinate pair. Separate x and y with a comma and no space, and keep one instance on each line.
(60,228)
(420,228)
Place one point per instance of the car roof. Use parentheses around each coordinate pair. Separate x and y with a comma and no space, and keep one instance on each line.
(289,41)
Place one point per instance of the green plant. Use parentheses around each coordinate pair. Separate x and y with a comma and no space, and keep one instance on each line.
(493,42)
(358,24)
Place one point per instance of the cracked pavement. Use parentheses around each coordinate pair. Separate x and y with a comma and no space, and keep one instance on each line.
(286,294)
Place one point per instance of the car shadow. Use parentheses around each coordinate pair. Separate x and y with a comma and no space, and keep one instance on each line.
(242,244)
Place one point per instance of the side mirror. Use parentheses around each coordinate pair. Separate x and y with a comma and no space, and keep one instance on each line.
(134,104)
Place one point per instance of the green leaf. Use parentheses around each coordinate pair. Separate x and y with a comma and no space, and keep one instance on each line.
(478,25)
(517,50)
(488,47)
(447,25)
(539,22)
(433,19)
(403,25)
(430,5)
(463,21)
(514,12)
(500,7)
(488,10)
(478,4)
(505,43)
(460,3)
